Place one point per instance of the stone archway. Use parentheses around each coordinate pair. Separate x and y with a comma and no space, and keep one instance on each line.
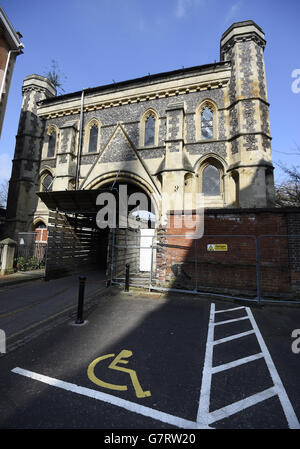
(134,185)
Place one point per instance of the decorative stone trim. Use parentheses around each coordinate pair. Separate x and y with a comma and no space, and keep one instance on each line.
(137,99)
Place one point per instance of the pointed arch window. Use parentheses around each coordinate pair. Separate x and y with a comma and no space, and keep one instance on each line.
(51,144)
(93,141)
(211,181)
(207,128)
(41,232)
(46,183)
(149,131)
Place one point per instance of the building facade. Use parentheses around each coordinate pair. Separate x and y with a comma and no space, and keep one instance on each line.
(10,48)
(203,129)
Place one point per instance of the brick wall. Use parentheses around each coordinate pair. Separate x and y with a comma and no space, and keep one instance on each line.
(186,263)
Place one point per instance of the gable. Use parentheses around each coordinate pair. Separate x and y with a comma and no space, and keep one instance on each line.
(118,149)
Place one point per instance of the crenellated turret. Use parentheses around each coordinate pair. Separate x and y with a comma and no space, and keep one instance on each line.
(248,114)
(23,184)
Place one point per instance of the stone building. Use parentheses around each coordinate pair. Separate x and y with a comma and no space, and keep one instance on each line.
(199,129)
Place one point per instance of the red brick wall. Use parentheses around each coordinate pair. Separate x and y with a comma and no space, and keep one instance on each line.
(4,48)
(186,263)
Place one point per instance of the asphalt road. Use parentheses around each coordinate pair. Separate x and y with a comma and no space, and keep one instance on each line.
(26,308)
(147,362)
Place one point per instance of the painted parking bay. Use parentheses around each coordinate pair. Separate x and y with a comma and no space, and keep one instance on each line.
(170,345)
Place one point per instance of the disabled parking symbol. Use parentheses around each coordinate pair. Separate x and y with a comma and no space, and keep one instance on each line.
(119,359)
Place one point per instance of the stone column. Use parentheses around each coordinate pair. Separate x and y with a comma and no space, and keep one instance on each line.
(176,163)
(7,256)
(66,162)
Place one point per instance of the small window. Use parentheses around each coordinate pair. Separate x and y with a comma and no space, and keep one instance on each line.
(207,130)
(93,139)
(47,182)
(149,131)
(41,233)
(211,181)
(51,144)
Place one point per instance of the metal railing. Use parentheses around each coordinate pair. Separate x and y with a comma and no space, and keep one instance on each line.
(253,268)
(30,251)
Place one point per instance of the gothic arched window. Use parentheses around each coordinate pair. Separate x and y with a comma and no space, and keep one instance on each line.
(51,144)
(207,129)
(93,141)
(149,131)
(211,181)
(47,181)
(41,232)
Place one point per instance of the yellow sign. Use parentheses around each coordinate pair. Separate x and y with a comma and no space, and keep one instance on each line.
(217,247)
(124,354)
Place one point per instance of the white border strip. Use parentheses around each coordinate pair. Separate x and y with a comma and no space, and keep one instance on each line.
(231,321)
(241,405)
(204,400)
(230,310)
(238,362)
(113,400)
(233,337)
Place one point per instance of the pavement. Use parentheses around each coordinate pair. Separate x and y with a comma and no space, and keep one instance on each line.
(29,305)
(150,361)
(20,277)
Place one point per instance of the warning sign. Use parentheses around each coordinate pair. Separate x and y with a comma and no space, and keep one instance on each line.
(217,247)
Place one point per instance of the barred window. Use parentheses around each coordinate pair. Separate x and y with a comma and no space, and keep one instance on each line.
(207,130)
(93,139)
(211,181)
(149,130)
(51,144)
(47,183)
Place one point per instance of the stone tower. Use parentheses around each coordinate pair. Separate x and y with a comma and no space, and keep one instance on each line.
(250,156)
(21,202)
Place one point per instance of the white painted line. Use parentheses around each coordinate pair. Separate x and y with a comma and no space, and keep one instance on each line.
(204,400)
(283,397)
(113,400)
(229,310)
(277,389)
(242,361)
(238,406)
(233,337)
(231,321)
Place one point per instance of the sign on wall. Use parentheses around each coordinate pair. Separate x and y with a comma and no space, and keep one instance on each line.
(217,247)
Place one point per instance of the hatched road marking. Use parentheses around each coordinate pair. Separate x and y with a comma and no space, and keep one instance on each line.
(208,370)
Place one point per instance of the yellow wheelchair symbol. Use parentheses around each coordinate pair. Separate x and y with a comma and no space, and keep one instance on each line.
(124,354)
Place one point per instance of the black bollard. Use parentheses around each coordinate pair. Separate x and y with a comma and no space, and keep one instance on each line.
(127,278)
(82,280)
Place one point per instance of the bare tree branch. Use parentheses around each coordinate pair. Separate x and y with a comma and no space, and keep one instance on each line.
(288,192)
(3,193)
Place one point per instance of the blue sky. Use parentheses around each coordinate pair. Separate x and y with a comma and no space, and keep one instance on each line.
(96,42)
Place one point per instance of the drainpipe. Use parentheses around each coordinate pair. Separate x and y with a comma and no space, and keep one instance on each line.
(79,142)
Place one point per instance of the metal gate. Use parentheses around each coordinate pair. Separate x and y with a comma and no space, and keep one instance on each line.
(260,268)
(128,247)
